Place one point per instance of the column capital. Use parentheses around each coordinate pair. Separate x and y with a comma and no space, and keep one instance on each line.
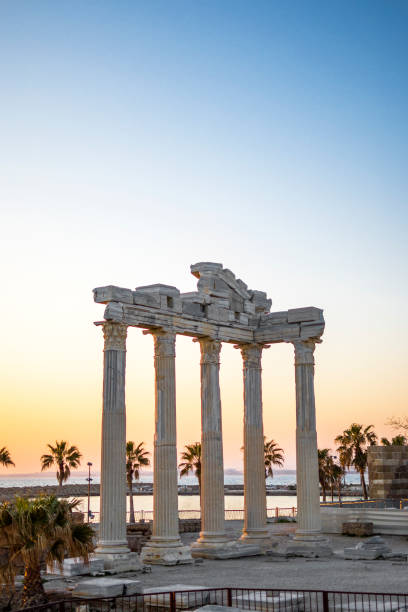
(164,343)
(210,350)
(304,350)
(252,354)
(114,336)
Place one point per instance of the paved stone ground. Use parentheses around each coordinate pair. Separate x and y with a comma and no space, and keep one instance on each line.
(264,572)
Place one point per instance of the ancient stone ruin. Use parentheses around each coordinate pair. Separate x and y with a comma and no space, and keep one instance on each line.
(221,309)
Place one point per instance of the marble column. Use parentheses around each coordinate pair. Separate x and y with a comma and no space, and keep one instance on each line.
(307,471)
(112,530)
(165,546)
(255,529)
(212,464)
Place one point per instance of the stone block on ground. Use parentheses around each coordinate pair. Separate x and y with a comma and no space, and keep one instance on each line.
(309,550)
(74,566)
(121,562)
(186,598)
(268,601)
(107,587)
(171,555)
(357,528)
(229,550)
(373,548)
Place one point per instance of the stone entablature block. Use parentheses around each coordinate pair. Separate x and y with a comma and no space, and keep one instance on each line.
(222,307)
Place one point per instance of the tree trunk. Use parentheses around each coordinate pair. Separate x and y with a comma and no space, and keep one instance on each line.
(339,489)
(324,493)
(33,590)
(199,490)
(363,484)
(332,492)
(131,507)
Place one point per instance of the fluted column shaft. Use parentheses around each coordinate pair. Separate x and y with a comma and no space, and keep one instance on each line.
(254,463)
(307,471)
(212,463)
(165,488)
(112,530)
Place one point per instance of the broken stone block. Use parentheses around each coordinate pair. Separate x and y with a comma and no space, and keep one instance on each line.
(217,314)
(310,313)
(357,528)
(373,548)
(243,318)
(249,307)
(169,302)
(142,298)
(193,309)
(160,289)
(110,293)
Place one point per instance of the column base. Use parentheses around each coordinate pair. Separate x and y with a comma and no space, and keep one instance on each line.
(224,550)
(258,537)
(115,563)
(156,553)
(309,545)
(115,547)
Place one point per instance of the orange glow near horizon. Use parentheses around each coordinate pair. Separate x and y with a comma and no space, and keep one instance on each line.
(53,405)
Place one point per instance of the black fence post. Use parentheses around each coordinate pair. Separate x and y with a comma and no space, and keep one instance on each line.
(229,597)
(172,601)
(325,601)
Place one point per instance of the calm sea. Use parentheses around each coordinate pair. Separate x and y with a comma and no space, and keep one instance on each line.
(186,502)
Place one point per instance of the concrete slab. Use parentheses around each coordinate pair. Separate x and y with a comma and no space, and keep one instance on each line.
(107,587)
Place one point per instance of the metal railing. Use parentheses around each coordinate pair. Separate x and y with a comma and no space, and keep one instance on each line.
(264,600)
(380,504)
(230,515)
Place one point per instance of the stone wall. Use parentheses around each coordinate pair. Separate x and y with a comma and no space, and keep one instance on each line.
(388,471)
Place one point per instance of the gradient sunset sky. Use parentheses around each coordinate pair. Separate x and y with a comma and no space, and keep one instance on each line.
(140,137)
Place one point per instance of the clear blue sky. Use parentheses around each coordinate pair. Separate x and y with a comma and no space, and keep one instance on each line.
(139,137)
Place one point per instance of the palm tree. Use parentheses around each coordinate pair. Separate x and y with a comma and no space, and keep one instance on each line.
(399,440)
(136,457)
(273,456)
(353,449)
(5,458)
(40,529)
(64,457)
(191,462)
(330,472)
(324,460)
(336,474)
